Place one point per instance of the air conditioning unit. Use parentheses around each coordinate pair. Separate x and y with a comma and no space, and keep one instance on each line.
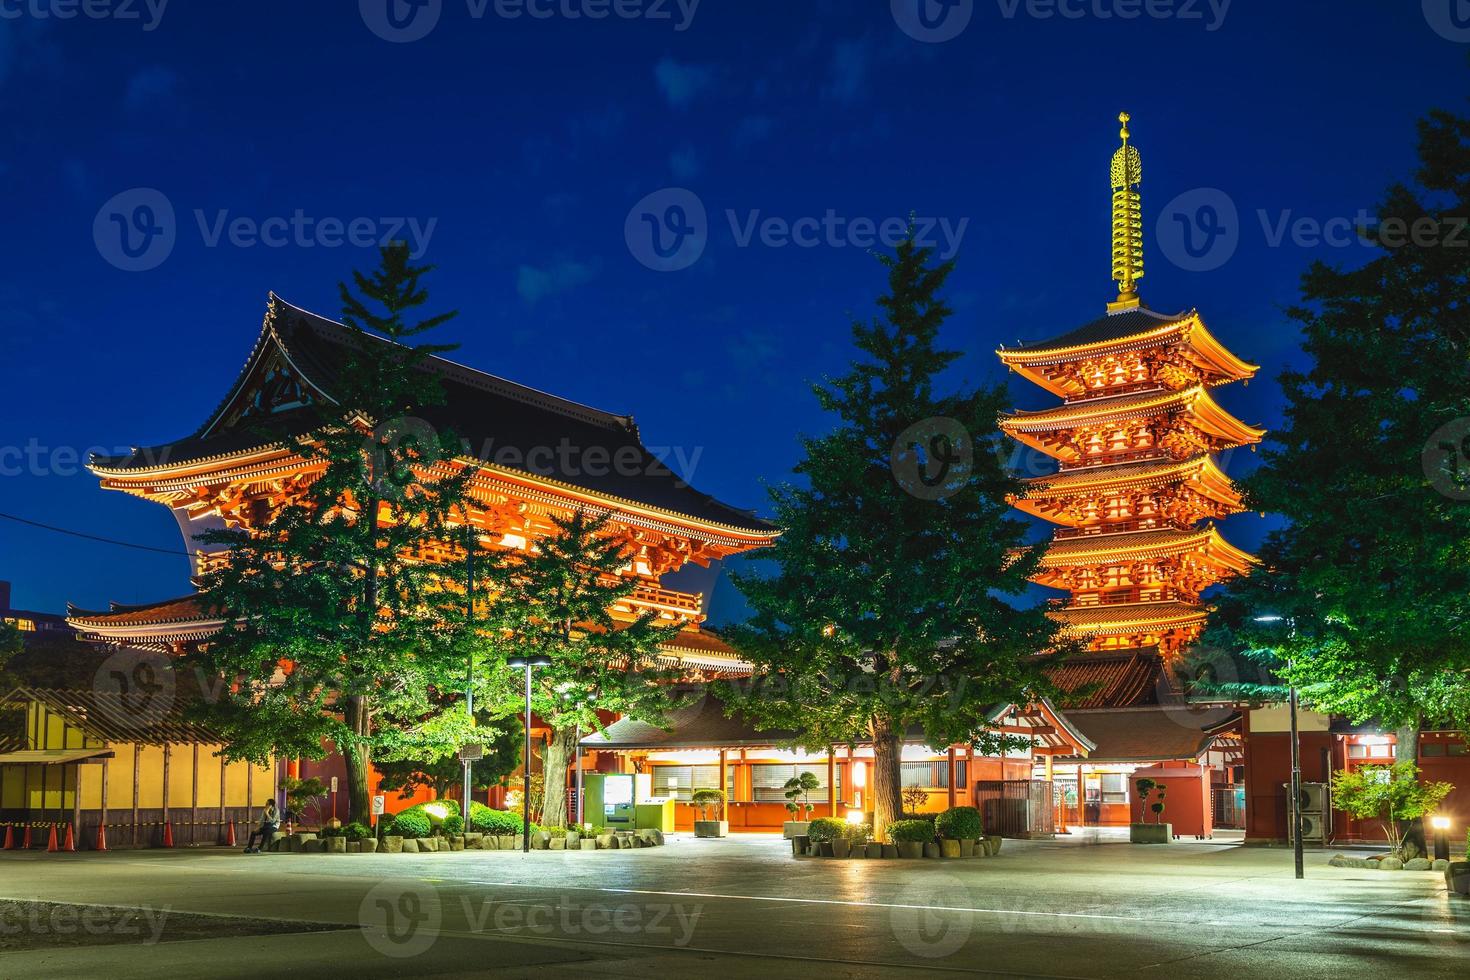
(1314,797)
(1314,828)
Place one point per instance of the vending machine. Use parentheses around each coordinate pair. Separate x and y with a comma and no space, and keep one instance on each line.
(609,800)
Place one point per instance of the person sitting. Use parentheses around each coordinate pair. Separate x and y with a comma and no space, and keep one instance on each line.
(270,822)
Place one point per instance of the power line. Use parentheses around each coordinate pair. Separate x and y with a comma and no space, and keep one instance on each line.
(93,537)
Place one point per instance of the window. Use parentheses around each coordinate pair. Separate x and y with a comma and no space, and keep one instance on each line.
(1456,748)
(1431,750)
(686,779)
(768,782)
(1114,787)
(24,625)
(934,775)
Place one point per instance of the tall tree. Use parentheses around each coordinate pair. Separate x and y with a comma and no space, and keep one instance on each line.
(557,601)
(1371,579)
(337,628)
(445,774)
(885,609)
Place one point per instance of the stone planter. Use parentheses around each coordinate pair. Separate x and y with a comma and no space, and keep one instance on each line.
(967,848)
(473,841)
(949,848)
(410,845)
(558,844)
(931,849)
(539,841)
(336,845)
(992,842)
(792,829)
(908,849)
(368,845)
(873,851)
(607,842)
(799,844)
(1150,833)
(1457,878)
(505,842)
(392,844)
(587,844)
(890,851)
(711,828)
(456,843)
(354,847)
(841,848)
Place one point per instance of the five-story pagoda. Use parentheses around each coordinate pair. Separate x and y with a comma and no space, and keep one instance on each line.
(1139,485)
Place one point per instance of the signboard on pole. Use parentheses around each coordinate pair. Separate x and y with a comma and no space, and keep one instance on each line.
(472,753)
(378,806)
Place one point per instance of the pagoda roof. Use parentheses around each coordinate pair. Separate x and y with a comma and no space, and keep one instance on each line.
(1128,617)
(1203,469)
(498,419)
(1147,545)
(1117,333)
(1195,401)
(1109,680)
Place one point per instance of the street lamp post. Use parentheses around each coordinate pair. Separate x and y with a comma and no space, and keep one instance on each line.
(469,680)
(1441,838)
(527,663)
(1296,752)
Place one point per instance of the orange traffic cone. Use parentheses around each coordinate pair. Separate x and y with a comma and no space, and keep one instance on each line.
(101,837)
(230,835)
(71,842)
(168,835)
(51,847)
(25,841)
(9,837)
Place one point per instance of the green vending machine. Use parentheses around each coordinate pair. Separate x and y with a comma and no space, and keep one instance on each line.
(609,800)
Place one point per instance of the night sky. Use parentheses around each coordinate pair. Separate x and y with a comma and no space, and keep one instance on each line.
(527,141)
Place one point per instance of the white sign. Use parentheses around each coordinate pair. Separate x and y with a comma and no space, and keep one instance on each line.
(378,806)
(334,784)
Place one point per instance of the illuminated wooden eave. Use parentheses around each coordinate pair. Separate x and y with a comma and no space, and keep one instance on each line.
(1129,618)
(1202,470)
(1194,402)
(1131,546)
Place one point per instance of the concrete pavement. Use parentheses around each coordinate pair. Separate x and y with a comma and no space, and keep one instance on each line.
(743,907)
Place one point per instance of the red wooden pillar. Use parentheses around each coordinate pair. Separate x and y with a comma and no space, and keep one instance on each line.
(950,762)
(724,776)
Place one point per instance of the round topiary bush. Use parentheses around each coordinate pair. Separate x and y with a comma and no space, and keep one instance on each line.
(911,831)
(960,823)
(824,830)
(496,823)
(453,825)
(412,823)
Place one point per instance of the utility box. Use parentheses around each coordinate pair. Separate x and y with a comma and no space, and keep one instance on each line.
(656,813)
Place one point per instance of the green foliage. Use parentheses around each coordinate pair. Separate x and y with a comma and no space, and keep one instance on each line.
(556,831)
(413,822)
(356,831)
(1371,579)
(858,833)
(1147,787)
(1393,794)
(709,801)
(885,607)
(797,790)
(497,823)
(960,823)
(304,798)
(913,798)
(911,831)
(453,825)
(502,757)
(372,634)
(824,830)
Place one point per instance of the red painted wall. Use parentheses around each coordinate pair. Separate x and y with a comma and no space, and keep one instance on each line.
(1268,769)
(1186,798)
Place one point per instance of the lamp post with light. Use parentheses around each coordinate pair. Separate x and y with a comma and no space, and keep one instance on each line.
(1441,827)
(527,663)
(1296,750)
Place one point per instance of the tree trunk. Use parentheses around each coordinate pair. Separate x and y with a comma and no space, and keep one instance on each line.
(887,777)
(1406,749)
(561,750)
(356,755)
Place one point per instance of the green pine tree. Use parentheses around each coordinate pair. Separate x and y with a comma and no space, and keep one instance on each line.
(886,608)
(1370,582)
(335,585)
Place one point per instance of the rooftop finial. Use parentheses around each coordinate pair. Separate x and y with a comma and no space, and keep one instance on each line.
(1127,176)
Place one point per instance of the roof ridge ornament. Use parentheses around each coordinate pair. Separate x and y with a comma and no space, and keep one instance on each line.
(1127,177)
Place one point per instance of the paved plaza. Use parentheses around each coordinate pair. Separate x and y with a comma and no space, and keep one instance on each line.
(729,908)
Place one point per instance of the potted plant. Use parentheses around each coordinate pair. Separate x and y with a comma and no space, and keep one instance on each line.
(1157,832)
(823,832)
(797,791)
(961,826)
(910,836)
(362,836)
(710,803)
(857,837)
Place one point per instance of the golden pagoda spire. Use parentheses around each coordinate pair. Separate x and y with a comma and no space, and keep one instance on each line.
(1127,176)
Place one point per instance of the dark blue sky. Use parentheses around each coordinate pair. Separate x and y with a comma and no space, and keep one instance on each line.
(526,141)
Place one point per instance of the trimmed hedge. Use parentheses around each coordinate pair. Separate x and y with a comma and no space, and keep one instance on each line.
(911,831)
(960,823)
(824,830)
(453,825)
(483,820)
(496,823)
(412,823)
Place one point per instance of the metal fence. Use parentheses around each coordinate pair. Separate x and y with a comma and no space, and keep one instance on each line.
(1016,807)
(1227,807)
